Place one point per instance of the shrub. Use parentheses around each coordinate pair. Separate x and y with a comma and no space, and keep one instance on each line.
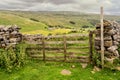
(34,19)
(72,22)
(73,31)
(85,26)
(96,59)
(12,58)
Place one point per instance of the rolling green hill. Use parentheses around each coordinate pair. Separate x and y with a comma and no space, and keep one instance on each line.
(45,22)
(25,23)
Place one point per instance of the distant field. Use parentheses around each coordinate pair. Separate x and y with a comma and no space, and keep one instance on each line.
(46,32)
(48,23)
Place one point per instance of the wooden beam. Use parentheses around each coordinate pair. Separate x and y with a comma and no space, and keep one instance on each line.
(43,43)
(91,45)
(65,47)
(102,38)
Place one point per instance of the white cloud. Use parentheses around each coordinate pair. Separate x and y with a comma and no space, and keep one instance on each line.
(111,6)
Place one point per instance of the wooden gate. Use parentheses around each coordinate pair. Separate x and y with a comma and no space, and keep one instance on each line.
(67,48)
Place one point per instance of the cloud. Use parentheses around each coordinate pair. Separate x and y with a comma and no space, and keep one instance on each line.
(12,4)
(57,2)
(92,6)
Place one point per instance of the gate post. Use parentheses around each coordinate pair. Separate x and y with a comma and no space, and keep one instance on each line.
(90,46)
(43,46)
(102,38)
(65,46)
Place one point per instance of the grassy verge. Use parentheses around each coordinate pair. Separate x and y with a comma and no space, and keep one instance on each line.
(36,70)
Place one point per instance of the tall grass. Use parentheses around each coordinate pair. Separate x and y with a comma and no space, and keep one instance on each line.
(12,58)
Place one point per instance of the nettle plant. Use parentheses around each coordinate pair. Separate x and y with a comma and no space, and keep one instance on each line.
(12,58)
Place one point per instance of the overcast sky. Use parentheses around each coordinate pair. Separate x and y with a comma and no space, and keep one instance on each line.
(92,6)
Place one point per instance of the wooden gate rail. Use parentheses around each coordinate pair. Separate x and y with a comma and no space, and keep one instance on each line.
(45,47)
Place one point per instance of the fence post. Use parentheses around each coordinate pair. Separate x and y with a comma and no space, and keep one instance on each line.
(91,45)
(65,47)
(102,38)
(43,46)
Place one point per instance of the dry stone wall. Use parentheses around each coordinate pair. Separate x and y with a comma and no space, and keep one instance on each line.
(111,39)
(9,35)
(32,38)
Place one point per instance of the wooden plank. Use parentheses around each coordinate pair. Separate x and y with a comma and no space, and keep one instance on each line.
(78,52)
(102,38)
(36,56)
(47,57)
(51,47)
(57,42)
(75,42)
(54,49)
(46,47)
(55,57)
(34,51)
(68,42)
(79,57)
(51,37)
(68,61)
(67,36)
(61,59)
(34,48)
(33,42)
(54,52)
(54,42)
(76,35)
(75,47)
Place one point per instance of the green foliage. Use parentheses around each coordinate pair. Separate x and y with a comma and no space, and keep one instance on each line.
(117,62)
(96,59)
(119,48)
(34,19)
(85,26)
(12,58)
(72,22)
(38,70)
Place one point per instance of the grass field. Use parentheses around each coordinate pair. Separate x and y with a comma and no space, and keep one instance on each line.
(38,70)
(46,32)
(54,23)
(24,23)
(39,23)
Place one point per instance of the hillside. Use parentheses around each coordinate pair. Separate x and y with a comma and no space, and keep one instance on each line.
(25,23)
(51,22)
(56,19)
